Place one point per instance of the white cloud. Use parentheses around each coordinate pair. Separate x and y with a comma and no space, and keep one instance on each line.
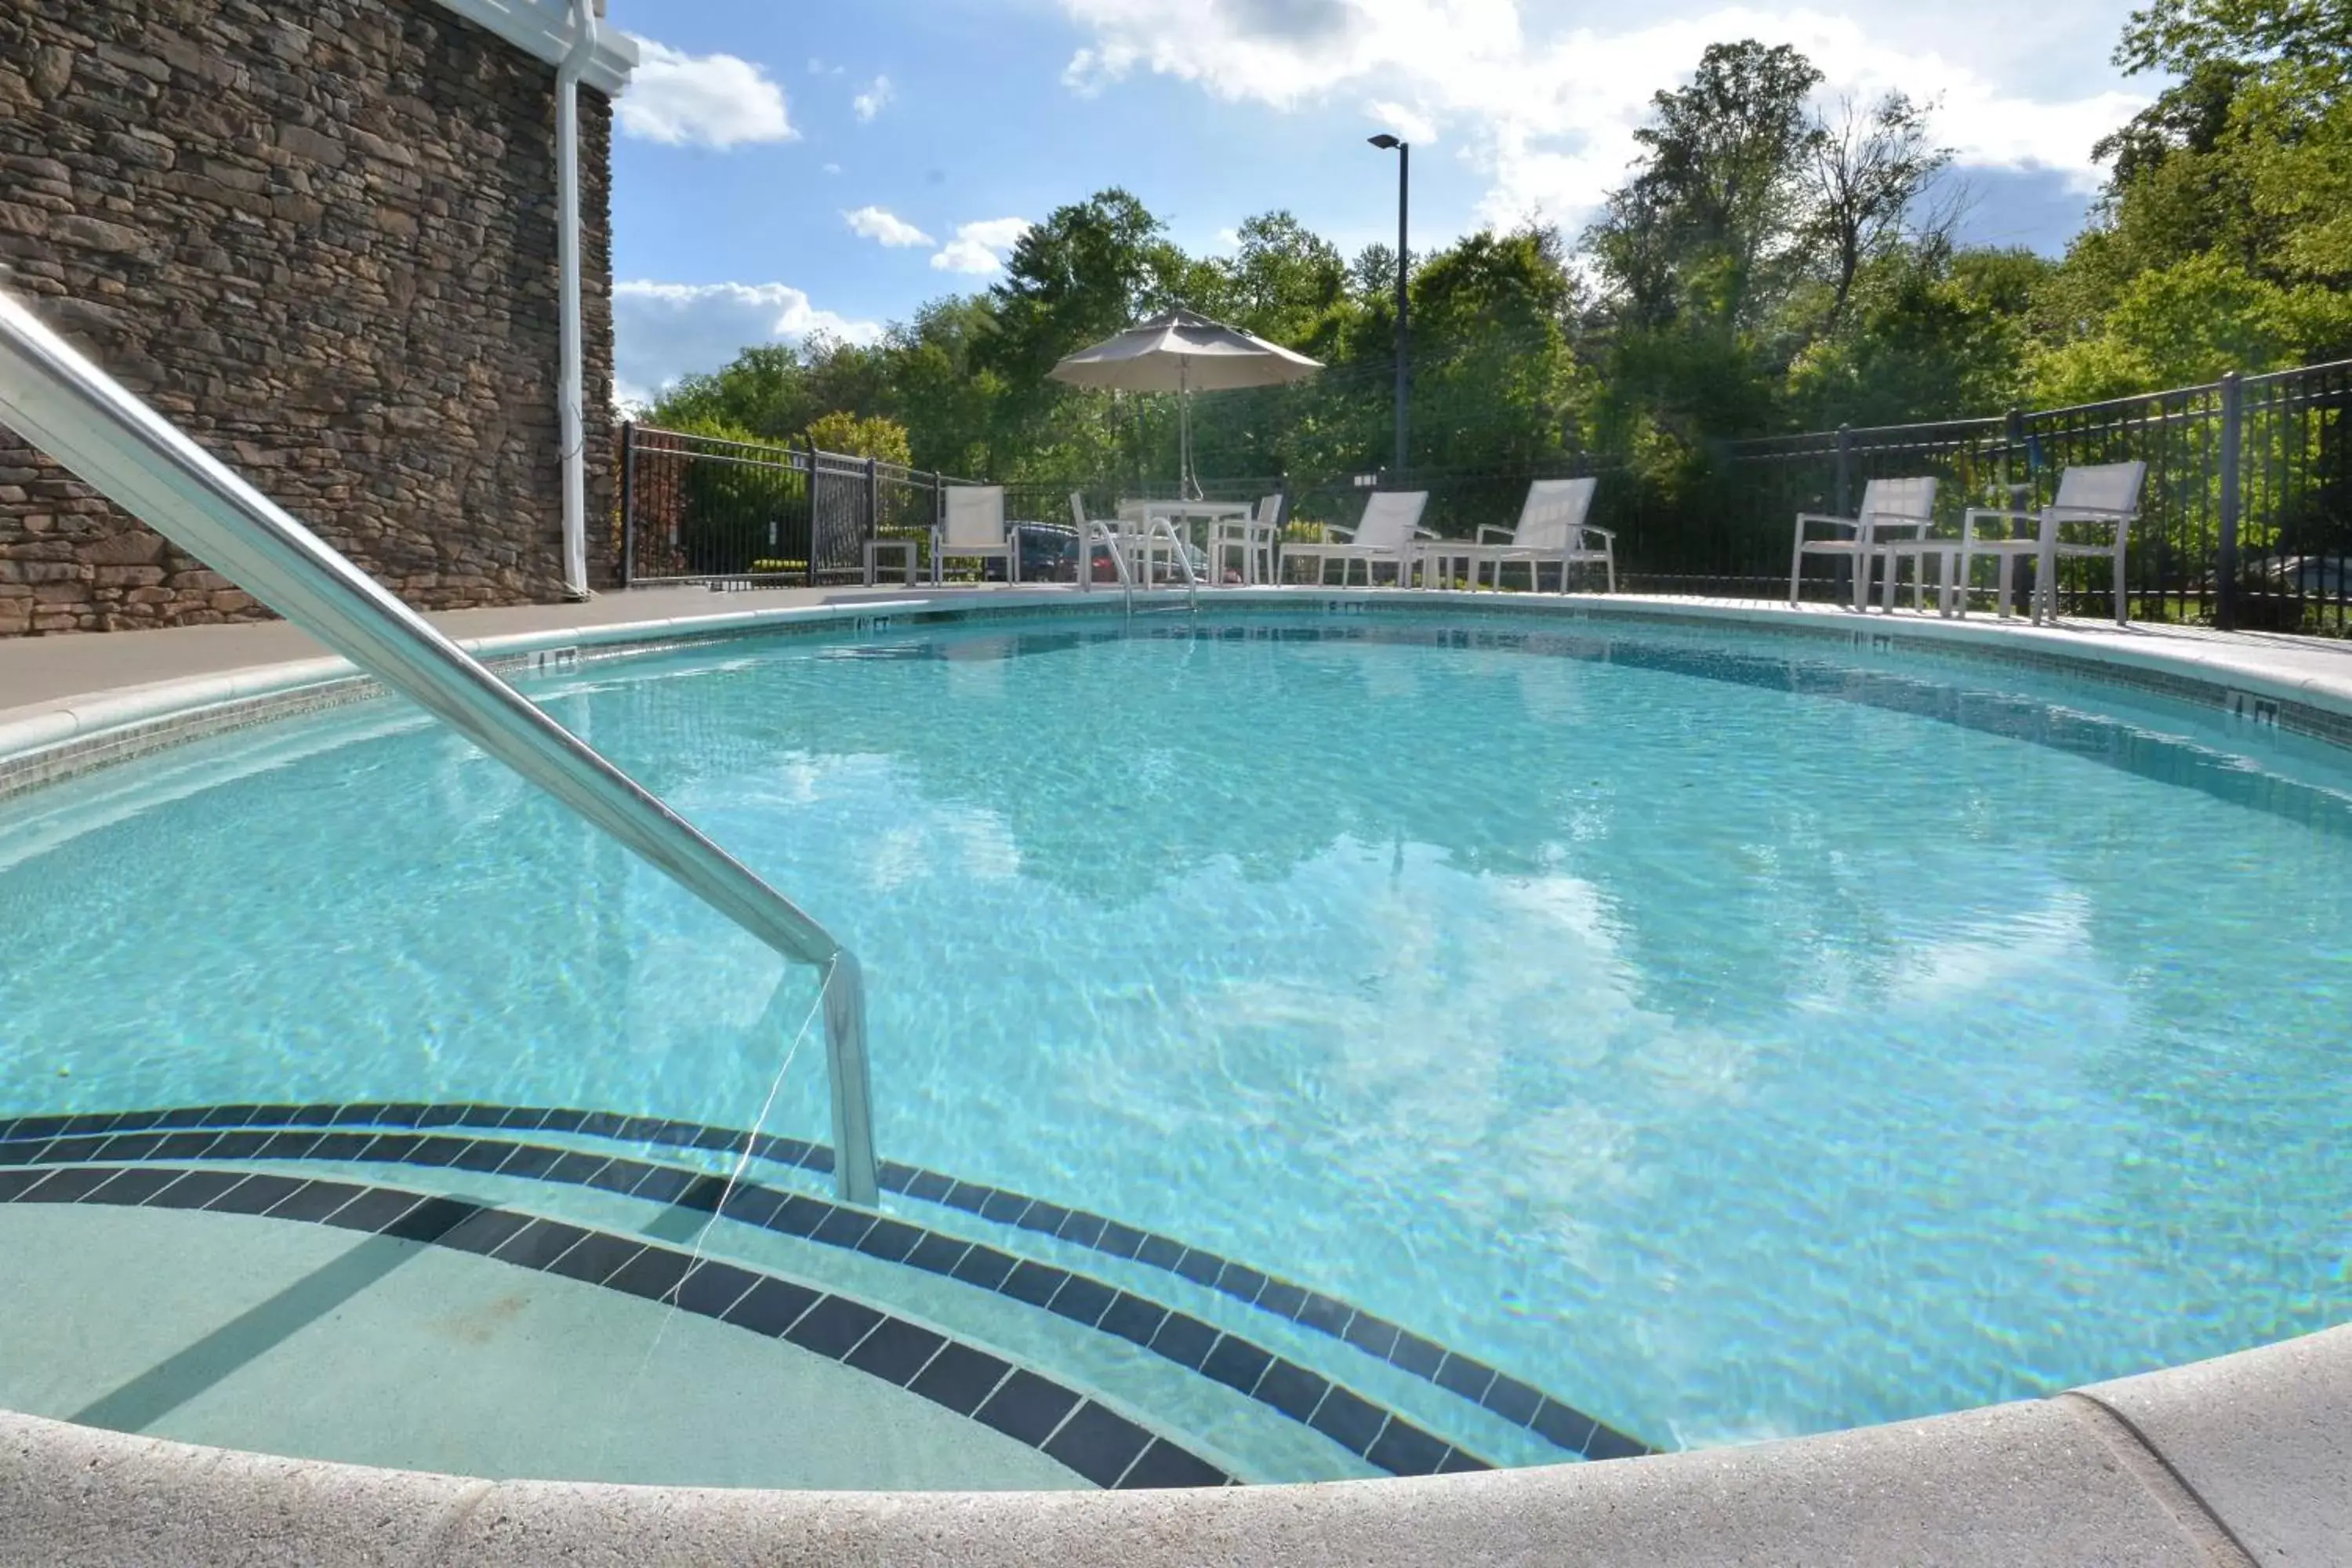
(981,247)
(1544,95)
(873,100)
(833,168)
(885,227)
(1410,124)
(664,331)
(709,100)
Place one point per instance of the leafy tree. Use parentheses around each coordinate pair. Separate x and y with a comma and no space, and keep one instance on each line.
(872,437)
(1502,386)
(1704,227)
(2192,322)
(1925,339)
(1285,280)
(2247,156)
(764,391)
(1870,167)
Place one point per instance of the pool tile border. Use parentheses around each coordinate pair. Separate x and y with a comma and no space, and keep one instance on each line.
(1083,1436)
(253,1132)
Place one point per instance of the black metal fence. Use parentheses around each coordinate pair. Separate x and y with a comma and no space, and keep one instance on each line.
(700,508)
(2246,518)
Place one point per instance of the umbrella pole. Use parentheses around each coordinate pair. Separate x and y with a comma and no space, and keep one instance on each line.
(1187,486)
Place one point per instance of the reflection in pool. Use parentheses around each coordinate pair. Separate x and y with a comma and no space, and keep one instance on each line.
(1737,1035)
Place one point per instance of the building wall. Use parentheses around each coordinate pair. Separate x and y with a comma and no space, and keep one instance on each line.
(322,239)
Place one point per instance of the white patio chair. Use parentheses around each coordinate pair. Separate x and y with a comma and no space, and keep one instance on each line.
(1255,537)
(973,528)
(1387,531)
(2104,496)
(1886,505)
(1551,528)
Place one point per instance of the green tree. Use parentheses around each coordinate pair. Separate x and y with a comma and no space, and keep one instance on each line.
(1927,336)
(873,436)
(2192,322)
(1704,230)
(1870,167)
(764,391)
(1284,281)
(2235,187)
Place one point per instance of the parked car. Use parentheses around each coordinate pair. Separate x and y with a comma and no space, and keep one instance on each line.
(1049,554)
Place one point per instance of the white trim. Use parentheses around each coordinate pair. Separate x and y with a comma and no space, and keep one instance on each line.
(544,28)
(568,396)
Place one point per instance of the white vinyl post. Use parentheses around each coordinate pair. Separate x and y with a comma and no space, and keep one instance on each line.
(571,422)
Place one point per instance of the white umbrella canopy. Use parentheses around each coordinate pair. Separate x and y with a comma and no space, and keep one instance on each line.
(1183,353)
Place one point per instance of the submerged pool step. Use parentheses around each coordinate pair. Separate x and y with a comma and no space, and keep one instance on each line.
(1252,1441)
(1482,1412)
(1087,1436)
(1208,1378)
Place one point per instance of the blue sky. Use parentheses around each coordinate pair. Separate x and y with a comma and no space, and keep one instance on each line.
(783,169)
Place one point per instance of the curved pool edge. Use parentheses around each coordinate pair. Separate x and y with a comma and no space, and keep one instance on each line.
(2305,671)
(2247,1458)
(2244,1459)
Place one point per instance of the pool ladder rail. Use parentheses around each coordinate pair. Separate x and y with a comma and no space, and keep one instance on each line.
(131,454)
(1116,543)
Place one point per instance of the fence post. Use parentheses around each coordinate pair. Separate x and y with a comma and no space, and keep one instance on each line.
(2233,409)
(628,500)
(1844,495)
(872,503)
(816,506)
(2020,498)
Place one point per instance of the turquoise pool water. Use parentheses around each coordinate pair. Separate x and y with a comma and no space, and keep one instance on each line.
(1739,1037)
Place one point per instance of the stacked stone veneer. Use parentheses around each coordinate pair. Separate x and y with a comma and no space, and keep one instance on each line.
(322,239)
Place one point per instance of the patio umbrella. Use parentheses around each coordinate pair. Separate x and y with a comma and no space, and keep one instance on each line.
(1183,352)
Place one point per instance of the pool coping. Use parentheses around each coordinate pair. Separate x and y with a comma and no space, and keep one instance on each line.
(2237,1460)
(2244,1458)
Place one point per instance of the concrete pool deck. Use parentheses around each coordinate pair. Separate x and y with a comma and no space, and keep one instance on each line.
(2246,1458)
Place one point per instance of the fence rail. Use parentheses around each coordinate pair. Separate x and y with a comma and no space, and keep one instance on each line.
(700,508)
(2246,518)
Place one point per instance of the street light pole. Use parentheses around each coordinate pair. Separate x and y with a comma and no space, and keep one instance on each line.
(1403,151)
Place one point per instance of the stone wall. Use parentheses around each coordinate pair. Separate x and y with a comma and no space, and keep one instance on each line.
(322,239)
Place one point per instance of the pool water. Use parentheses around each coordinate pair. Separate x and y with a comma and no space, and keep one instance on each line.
(1739,1037)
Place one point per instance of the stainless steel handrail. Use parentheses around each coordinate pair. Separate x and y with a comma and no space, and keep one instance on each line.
(59,400)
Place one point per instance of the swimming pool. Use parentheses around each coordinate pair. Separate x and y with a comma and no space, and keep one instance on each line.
(1713,1034)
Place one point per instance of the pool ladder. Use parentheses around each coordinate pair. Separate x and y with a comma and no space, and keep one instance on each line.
(1111,538)
(134,457)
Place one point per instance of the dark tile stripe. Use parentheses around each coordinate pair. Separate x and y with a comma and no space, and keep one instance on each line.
(1516,1403)
(1096,1442)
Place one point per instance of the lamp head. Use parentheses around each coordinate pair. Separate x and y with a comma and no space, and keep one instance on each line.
(1385,142)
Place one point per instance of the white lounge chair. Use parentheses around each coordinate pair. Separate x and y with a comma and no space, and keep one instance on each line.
(1256,537)
(1551,528)
(973,528)
(1887,505)
(2104,496)
(1387,531)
